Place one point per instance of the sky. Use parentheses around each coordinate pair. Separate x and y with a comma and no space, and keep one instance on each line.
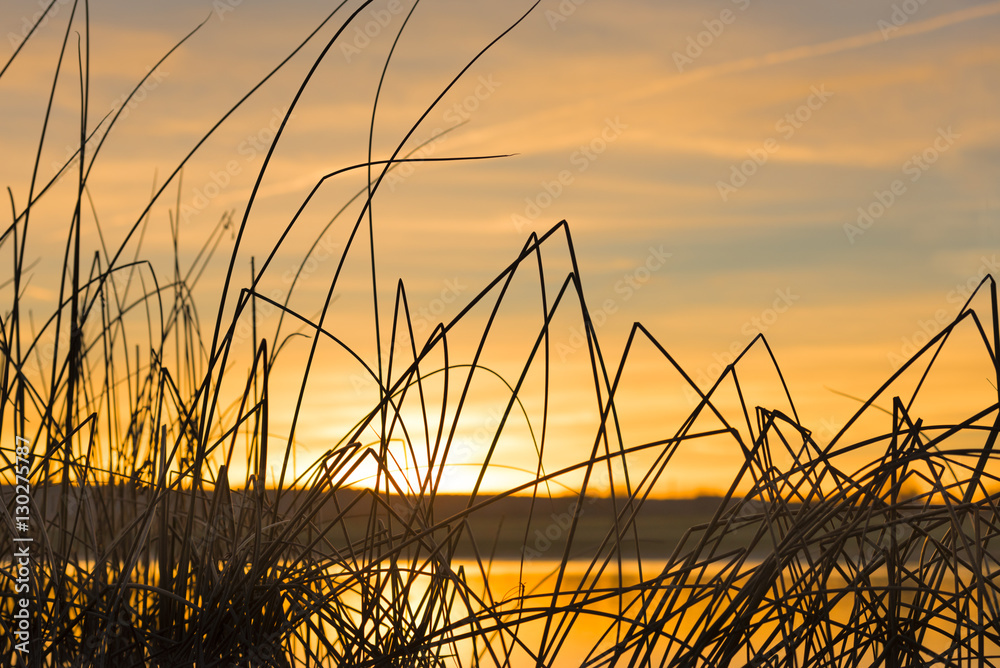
(823,173)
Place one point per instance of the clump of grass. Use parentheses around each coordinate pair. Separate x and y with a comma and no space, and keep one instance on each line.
(146,555)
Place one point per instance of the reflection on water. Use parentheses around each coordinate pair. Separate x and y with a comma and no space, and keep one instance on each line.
(540,611)
(545,612)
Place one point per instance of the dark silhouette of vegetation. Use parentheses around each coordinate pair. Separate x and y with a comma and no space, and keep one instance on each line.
(144,554)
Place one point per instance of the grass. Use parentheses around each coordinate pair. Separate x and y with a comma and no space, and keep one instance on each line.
(144,554)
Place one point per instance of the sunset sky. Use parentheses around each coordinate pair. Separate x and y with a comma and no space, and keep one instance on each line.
(825,173)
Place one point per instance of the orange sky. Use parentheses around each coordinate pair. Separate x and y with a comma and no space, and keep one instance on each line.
(823,173)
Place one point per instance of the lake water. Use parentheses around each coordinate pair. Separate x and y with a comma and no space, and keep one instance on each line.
(615,605)
(593,614)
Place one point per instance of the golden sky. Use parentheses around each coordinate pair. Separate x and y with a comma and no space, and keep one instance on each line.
(823,173)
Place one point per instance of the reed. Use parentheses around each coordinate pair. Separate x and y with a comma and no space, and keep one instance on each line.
(146,553)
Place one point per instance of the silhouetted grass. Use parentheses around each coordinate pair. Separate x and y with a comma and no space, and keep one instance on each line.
(145,555)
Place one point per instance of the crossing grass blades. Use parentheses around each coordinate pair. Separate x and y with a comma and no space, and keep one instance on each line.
(146,553)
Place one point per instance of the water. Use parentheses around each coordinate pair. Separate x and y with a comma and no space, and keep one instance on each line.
(519,617)
(528,623)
